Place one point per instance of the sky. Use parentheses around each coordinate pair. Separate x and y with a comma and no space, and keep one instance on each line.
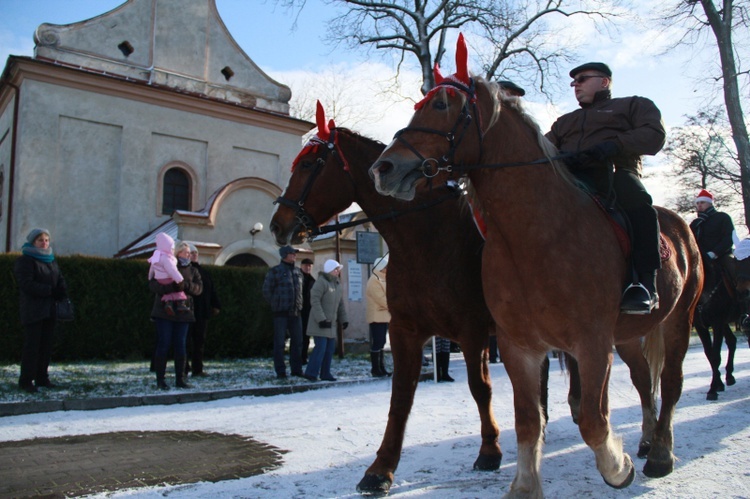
(289,52)
(332,434)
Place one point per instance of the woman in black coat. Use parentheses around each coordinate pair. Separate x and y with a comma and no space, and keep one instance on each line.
(41,284)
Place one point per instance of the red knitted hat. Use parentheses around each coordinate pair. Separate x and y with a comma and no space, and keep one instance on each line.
(704,195)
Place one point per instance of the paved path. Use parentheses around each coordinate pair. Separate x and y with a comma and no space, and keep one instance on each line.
(88,464)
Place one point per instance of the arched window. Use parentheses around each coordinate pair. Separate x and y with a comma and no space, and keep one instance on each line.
(176,195)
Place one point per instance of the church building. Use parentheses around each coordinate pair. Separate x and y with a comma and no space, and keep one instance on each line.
(144,119)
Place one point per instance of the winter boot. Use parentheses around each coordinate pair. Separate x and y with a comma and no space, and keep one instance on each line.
(443,361)
(375,361)
(160,366)
(381,363)
(179,373)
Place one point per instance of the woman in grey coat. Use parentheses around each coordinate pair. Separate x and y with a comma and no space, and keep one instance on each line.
(327,310)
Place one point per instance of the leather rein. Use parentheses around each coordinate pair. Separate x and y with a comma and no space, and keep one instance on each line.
(313,229)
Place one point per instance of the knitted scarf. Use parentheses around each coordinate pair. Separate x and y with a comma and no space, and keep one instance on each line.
(43,255)
(702,217)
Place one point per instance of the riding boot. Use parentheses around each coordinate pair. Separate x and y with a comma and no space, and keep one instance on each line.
(381,362)
(179,373)
(375,360)
(160,367)
(641,298)
(443,361)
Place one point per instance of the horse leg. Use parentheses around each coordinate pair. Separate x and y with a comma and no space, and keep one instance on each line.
(523,367)
(718,338)
(660,460)
(406,348)
(705,336)
(731,340)
(613,463)
(480,385)
(632,354)
(574,391)
(544,373)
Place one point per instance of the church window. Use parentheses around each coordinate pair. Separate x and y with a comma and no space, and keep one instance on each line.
(176,195)
(227,72)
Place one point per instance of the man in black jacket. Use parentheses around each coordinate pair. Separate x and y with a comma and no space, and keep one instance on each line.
(206,306)
(712,229)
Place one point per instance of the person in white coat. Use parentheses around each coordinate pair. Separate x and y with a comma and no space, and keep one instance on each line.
(326,311)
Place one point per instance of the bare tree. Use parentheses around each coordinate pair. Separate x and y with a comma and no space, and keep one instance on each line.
(703,157)
(512,38)
(728,23)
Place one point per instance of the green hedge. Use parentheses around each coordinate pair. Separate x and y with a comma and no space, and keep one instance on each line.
(113,304)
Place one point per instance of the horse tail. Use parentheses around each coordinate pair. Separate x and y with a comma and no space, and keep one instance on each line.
(654,351)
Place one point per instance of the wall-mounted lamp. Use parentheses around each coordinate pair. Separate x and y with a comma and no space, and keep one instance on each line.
(256,228)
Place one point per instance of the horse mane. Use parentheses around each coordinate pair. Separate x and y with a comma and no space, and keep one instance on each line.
(359,136)
(502,99)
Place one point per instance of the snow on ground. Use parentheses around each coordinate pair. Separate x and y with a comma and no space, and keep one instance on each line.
(332,436)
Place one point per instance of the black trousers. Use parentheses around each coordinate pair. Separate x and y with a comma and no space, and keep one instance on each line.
(37,352)
(636,202)
(196,344)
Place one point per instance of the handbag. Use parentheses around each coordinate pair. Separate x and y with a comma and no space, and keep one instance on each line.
(64,310)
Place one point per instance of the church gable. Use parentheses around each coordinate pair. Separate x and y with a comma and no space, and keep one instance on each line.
(182,44)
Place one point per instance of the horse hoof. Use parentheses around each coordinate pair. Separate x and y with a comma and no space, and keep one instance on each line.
(488,463)
(374,486)
(720,388)
(731,380)
(711,395)
(658,470)
(643,449)
(628,480)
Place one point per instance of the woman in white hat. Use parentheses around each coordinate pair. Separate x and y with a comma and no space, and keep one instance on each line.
(327,309)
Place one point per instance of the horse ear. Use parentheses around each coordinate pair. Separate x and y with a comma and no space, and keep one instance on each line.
(320,117)
(462,60)
(437,75)
(331,124)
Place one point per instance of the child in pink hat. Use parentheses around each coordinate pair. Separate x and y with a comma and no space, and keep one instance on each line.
(164,270)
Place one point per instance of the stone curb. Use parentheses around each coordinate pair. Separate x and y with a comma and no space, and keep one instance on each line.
(95,404)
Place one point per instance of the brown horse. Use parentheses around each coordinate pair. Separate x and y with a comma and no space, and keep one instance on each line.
(553,270)
(434,276)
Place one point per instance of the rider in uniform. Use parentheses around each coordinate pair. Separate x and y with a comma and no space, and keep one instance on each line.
(607,137)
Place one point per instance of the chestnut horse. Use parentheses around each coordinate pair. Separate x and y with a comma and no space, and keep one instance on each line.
(427,247)
(552,267)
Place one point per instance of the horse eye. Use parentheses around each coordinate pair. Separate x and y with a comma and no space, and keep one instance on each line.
(306,164)
(440,105)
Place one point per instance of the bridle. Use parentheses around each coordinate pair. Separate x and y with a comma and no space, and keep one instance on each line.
(430,167)
(306,220)
(300,213)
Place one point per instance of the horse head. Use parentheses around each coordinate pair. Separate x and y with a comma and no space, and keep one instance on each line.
(444,131)
(303,207)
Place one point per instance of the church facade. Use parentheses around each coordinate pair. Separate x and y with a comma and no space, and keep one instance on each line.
(146,118)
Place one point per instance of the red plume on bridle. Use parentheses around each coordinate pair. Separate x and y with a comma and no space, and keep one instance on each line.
(462,61)
(324,132)
(461,76)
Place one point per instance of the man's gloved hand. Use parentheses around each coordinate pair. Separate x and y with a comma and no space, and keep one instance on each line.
(712,255)
(324,324)
(603,150)
(344,325)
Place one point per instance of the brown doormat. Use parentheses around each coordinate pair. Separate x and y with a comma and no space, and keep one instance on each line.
(88,464)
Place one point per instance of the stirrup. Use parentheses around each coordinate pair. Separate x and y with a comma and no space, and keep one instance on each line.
(642,308)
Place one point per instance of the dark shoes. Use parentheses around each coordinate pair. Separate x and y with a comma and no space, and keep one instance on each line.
(329,378)
(281,376)
(162,385)
(201,374)
(181,383)
(28,387)
(638,300)
(45,384)
(310,378)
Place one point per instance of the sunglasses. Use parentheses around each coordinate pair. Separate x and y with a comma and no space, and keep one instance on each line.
(579,80)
